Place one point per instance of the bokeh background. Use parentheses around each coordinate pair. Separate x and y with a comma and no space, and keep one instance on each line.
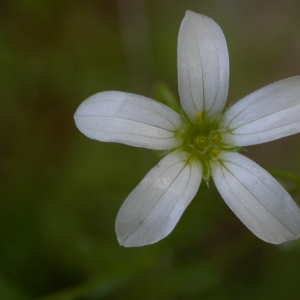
(60,191)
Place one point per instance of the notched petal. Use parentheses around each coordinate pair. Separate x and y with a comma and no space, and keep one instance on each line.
(154,207)
(257,199)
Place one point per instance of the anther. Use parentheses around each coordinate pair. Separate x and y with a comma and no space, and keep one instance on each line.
(216,138)
(214,152)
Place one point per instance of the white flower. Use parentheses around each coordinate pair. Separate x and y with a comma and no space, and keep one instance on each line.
(202,143)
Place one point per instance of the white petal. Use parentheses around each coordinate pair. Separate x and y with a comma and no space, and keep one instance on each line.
(265,115)
(256,198)
(129,119)
(203,66)
(155,206)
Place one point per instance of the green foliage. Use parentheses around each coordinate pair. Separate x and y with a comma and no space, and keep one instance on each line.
(162,93)
(292,181)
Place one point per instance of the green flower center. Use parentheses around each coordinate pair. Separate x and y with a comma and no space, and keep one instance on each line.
(204,142)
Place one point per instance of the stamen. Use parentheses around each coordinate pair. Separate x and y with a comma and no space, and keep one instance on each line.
(214,152)
(216,138)
(200,118)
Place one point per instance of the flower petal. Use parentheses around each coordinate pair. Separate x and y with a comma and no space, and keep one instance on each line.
(129,119)
(256,198)
(265,115)
(155,206)
(203,67)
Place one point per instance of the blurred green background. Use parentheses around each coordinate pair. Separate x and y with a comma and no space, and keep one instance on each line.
(60,191)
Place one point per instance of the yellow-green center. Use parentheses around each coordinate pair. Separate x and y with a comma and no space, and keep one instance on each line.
(205,144)
(204,141)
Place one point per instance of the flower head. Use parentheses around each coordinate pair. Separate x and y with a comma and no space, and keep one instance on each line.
(201,143)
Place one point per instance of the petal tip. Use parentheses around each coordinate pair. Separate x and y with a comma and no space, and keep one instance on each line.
(128,242)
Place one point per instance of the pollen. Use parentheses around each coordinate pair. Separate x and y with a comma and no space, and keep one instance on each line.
(200,118)
(216,138)
(214,152)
